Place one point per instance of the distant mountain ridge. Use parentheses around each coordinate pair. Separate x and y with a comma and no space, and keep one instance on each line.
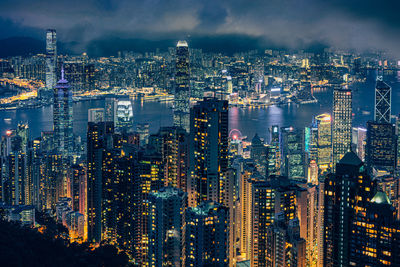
(21,46)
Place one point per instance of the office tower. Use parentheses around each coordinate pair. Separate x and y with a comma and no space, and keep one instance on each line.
(383,104)
(62,117)
(293,153)
(311,142)
(269,198)
(359,140)
(172,144)
(96,143)
(208,159)
(346,191)
(390,185)
(96,115)
(143,130)
(381,148)
(376,234)
(324,142)
(273,165)
(110,110)
(258,154)
(206,235)
(182,87)
(342,120)
(51,59)
(274,153)
(285,246)
(165,219)
(124,115)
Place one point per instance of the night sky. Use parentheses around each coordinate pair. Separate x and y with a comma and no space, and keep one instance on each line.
(106,26)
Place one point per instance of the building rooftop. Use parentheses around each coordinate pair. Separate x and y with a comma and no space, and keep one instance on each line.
(351,158)
(381,198)
(182,43)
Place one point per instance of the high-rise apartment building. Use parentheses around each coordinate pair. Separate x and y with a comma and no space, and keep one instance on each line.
(97,137)
(166,219)
(209,150)
(206,235)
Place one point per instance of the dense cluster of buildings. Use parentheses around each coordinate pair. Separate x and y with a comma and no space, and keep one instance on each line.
(193,194)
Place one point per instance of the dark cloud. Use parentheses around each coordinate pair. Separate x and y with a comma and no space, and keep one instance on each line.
(82,24)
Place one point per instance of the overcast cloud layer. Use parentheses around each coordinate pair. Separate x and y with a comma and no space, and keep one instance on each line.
(349,24)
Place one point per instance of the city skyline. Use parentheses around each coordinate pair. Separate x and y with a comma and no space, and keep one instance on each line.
(184,157)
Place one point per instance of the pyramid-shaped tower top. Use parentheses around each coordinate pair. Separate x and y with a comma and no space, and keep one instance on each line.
(351,158)
(381,198)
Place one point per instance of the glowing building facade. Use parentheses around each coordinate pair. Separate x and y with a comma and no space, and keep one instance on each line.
(182,87)
(342,121)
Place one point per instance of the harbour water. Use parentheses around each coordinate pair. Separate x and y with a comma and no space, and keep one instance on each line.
(247,120)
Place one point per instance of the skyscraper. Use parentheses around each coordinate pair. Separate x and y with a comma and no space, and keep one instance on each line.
(209,150)
(96,143)
(172,144)
(342,120)
(383,104)
(381,148)
(376,234)
(346,192)
(269,198)
(324,141)
(293,153)
(51,58)
(206,235)
(182,86)
(165,219)
(62,117)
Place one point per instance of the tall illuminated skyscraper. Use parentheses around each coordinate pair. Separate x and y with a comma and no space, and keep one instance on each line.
(383,98)
(324,141)
(342,120)
(208,159)
(269,198)
(376,234)
(96,142)
(51,58)
(293,153)
(381,148)
(62,117)
(182,86)
(347,191)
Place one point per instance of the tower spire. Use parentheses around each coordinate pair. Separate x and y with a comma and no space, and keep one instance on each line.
(62,71)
